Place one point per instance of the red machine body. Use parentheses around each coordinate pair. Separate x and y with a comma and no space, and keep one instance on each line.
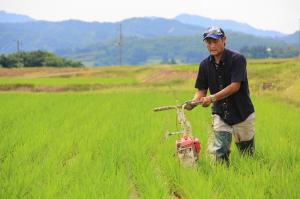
(187,147)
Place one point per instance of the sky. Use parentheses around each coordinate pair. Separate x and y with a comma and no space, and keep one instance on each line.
(277,15)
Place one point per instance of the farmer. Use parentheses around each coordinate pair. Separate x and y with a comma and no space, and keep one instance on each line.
(224,73)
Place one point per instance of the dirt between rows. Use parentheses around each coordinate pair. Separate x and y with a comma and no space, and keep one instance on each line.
(39,72)
(43,88)
(154,77)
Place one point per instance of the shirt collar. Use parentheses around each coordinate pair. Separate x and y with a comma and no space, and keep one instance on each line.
(223,57)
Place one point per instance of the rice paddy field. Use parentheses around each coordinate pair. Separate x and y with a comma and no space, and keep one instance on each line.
(92,133)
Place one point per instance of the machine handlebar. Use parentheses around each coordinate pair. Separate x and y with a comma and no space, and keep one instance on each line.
(163,108)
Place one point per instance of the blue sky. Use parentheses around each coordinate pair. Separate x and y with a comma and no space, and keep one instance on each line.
(278,15)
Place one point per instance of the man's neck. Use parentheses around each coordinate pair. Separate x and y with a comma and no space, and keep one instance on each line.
(218,57)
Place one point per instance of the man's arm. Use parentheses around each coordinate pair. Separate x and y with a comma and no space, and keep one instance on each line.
(199,95)
(229,90)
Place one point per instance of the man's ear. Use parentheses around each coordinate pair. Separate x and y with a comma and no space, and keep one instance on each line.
(224,40)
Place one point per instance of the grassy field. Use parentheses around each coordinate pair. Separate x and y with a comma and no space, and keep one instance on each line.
(104,141)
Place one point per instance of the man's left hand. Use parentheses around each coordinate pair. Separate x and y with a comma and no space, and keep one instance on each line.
(206,101)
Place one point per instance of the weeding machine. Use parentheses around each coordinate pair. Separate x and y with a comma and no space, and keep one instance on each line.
(187,147)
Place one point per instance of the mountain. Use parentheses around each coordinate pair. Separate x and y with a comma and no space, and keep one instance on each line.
(155,27)
(182,49)
(6,17)
(226,25)
(77,34)
(50,36)
(145,40)
(292,38)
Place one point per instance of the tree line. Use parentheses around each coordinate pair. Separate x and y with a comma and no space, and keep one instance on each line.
(170,50)
(36,59)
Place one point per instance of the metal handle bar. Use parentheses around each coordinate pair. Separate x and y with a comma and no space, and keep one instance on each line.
(163,108)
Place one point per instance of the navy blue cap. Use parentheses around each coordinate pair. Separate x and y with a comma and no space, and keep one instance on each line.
(213,32)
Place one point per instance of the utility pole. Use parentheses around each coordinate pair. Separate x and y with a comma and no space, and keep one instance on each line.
(19,43)
(299,38)
(120,44)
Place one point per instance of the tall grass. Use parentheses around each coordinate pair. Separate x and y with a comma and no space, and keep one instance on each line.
(111,145)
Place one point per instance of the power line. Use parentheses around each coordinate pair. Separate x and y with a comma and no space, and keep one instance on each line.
(7,47)
(11,46)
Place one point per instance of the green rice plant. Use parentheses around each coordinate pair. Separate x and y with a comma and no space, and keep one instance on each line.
(111,145)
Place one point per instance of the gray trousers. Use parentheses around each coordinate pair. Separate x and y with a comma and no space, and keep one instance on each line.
(220,141)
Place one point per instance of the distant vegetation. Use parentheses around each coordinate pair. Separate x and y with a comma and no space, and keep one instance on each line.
(183,49)
(36,59)
(261,51)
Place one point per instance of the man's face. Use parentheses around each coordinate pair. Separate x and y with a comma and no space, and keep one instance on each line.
(215,47)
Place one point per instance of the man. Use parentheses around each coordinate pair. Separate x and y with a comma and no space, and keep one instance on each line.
(224,74)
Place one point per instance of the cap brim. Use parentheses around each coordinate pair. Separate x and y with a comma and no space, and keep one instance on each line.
(212,36)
